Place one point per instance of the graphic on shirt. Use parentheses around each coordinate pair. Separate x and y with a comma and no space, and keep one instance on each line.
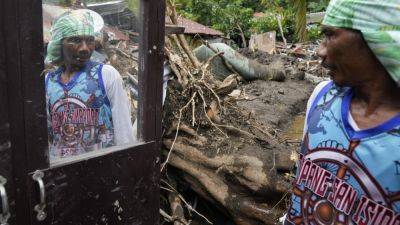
(326,195)
(79,116)
(75,123)
(344,176)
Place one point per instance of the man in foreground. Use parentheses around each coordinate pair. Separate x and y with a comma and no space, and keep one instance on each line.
(349,168)
(87,107)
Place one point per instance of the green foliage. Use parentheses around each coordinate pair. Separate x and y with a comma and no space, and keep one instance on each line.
(314,32)
(228,15)
(198,10)
(255,5)
(233,19)
(317,6)
(301,7)
(269,22)
(275,4)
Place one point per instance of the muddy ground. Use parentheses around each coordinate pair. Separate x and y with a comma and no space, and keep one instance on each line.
(279,104)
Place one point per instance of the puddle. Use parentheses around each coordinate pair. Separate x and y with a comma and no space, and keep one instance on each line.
(295,130)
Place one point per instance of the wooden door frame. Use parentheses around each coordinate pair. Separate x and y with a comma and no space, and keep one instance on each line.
(152,37)
(6,169)
(23,35)
(23,43)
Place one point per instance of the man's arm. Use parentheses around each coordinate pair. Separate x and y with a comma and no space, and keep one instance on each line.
(120,106)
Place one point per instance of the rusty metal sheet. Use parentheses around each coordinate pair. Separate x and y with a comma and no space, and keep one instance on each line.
(192,27)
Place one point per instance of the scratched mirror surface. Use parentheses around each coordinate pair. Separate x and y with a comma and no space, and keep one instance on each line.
(91,61)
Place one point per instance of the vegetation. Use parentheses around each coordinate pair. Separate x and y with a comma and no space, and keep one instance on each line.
(275,9)
(235,17)
(317,6)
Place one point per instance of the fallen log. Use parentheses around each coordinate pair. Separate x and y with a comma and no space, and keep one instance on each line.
(248,69)
(242,208)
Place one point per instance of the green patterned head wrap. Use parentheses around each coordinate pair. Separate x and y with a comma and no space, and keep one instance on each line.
(378,21)
(72,23)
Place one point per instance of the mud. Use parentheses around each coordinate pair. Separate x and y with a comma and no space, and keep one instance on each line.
(295,131)
(277,103)
(283,104)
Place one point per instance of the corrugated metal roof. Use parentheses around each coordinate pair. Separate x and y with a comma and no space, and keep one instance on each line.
(192,27)
(109,7)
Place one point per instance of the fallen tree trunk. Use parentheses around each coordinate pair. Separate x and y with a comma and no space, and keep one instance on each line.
(248,69)
(232,181)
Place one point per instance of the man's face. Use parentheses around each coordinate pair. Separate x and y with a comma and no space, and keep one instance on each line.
(345,54)
(77,50)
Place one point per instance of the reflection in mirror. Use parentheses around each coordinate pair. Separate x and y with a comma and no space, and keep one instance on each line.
(91,74)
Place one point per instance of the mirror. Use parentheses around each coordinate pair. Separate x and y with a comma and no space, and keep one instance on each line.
(91,75)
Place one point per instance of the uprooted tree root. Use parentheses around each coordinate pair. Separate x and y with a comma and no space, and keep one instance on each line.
(220,150)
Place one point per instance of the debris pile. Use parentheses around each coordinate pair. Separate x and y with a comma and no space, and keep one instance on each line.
(220,150)
(300,60)
(216,145)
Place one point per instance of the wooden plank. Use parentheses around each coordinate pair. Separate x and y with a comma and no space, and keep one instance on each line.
(6,168)
(15,108)
(151,56)
(24,60)
(32,65)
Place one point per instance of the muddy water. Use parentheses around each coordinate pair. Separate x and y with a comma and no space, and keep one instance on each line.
(295,130)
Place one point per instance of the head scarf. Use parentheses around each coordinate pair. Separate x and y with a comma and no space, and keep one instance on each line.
(72,23)
(378,21)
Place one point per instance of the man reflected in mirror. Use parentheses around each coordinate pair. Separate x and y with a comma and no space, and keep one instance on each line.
(87,107)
